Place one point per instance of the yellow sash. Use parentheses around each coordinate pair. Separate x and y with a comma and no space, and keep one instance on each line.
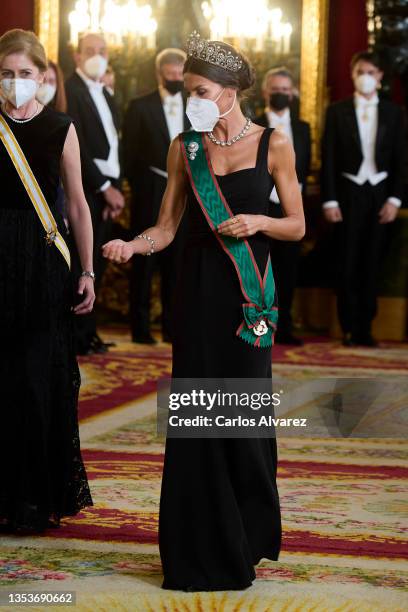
(33,189)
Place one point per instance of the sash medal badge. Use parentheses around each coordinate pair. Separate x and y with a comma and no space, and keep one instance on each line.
(51,238)
(261,328)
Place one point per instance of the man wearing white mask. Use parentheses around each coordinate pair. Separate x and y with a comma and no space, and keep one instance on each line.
(362,185)
(94,112)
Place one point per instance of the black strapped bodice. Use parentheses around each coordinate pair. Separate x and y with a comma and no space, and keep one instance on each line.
(209,301)
(31,273)
(42,141)
(247,191)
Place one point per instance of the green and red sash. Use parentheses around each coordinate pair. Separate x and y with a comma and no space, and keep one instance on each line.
(260,314)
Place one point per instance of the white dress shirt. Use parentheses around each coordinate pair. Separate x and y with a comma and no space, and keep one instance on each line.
(174,112)
(283,123)
(367,120)
(108,167)
(173,107)
(280,122)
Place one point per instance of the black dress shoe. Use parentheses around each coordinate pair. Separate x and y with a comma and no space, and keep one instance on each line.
(99,340)
(97,345)
(94,347)
(348,340)
(366,340)
(288,338)
(85,350)
(144,339)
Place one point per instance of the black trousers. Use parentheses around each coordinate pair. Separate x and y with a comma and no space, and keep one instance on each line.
(359,241)
(284,259)
(145,209)
(85,325)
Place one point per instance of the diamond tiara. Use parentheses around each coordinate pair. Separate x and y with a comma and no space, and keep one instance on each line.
(211,52)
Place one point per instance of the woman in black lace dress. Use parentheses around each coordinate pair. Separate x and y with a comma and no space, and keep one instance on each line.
(42,476)
(219,507)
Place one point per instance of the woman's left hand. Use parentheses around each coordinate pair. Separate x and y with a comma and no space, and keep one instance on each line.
(241,226)
(87,289)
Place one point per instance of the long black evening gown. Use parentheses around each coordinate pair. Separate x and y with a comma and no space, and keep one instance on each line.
(219,507)
(42,476)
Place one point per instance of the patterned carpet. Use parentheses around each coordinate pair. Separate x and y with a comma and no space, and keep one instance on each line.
(344,500)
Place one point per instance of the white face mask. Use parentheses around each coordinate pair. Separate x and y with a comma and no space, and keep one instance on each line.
(365,84)
(204,114)
(46,93)
(19,91)
(95,66)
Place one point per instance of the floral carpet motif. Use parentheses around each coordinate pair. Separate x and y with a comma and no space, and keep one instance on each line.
(344,501)
(328,508)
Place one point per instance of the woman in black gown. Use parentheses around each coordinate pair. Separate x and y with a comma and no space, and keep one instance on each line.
(219,507)
(42,476)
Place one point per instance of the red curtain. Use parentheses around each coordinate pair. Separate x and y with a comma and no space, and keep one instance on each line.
(16,14)
(347,35)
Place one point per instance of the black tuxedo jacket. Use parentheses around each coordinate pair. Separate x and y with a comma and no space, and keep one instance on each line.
(301,145)
(341,147)
(146,138)
(91,134)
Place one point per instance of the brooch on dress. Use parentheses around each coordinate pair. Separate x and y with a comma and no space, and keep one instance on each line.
(192,149)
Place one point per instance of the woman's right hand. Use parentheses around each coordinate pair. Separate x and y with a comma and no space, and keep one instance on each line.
(119,251)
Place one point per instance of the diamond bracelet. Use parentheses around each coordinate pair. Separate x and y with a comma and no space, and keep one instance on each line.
(149,240)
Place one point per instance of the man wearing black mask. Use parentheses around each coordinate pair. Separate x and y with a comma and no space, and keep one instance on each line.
(278,92)
(151,122)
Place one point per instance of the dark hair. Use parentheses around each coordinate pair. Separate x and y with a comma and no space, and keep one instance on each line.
(241,80)
(366,56)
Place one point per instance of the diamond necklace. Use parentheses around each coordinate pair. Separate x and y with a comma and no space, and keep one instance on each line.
(228,143)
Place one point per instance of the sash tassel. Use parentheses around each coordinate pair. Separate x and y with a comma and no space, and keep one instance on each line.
(253,316)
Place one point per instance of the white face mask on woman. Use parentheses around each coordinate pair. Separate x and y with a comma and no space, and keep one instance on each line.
(204,114)
(365,84)
(95,66)
(18,91)
(46,93)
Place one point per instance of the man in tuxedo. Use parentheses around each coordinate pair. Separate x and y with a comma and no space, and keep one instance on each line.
(362,185)
(95,116)
(278,92)
(151,122)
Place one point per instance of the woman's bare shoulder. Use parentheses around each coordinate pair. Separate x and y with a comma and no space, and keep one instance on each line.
(279,141)
(175,158)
